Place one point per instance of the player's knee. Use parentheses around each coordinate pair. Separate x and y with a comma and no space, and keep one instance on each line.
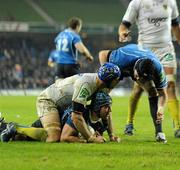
(152,92)
(171,88)
(171,85)
(136,93)
(54,134)
(64,138)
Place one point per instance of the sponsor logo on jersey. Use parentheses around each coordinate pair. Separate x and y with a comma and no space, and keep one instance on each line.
(157,21)
(84,93)
(168,57)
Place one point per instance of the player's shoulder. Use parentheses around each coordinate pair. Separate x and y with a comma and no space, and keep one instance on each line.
(172,2)
(87,77)
(87,80)
(137,3)
(157,63)
(72,32)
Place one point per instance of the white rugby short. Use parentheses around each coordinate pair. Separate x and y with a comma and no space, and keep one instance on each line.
(166,55)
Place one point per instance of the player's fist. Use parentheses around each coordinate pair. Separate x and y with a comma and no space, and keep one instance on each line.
(96,139)
(124,36)
(115,139)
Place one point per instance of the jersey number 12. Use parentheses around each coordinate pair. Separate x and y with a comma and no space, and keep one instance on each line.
(62,45)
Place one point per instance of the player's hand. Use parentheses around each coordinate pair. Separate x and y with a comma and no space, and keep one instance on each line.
(124,36)
(80,64)
(90,58)
(115,139)
(51,64)
(160,116)
(96,139)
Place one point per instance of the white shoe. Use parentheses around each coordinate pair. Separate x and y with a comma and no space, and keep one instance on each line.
(160,137)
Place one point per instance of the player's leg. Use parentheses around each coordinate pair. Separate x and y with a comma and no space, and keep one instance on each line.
(59,74)
(52,125)
(50,120)
(3,124)
(167,57)
(11,130)
(37,124)
(38,134)
(71,69)
(153,104)
(173,102)
(133,103)
(51,130)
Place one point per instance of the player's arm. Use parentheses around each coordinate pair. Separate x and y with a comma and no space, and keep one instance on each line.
(111,135)
(84,51)
(50,63)
(103,56)
(176,32)
(162,98)
(78,120)
(81,126)
(157,99)
(129,18)
(124,31)
(161,86)
(70,134)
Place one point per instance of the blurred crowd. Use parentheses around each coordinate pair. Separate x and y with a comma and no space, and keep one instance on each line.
(23,64)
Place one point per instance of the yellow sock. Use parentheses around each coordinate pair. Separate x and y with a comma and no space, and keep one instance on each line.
(39,134)
(133,102)
(173,106)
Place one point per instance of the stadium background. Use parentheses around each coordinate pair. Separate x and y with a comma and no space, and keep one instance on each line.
(28,28)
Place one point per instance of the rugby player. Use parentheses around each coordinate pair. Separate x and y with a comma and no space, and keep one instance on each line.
(156,20)
(146,70)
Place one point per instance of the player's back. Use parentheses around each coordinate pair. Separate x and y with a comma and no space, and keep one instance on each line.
(65,44)
(126,56)
(63,91)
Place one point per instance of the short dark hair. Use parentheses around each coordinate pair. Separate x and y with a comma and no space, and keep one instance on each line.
(74,22)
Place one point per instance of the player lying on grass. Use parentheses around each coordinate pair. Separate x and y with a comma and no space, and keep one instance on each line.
(97,116)
(145,69)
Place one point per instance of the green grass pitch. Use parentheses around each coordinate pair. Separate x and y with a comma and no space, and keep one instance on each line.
(132,153)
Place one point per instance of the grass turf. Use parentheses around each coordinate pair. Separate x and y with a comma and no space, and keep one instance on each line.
(133,152)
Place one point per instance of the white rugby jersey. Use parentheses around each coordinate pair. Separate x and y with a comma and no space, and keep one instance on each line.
(153,18)
(78,88)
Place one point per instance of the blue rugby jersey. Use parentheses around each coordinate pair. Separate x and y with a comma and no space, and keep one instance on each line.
(125,58)
(65,44)
(53,56)
(99,125)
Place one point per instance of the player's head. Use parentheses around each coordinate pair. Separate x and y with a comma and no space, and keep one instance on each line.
(75,23)
(100,99)
(145,68)
(109,72)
